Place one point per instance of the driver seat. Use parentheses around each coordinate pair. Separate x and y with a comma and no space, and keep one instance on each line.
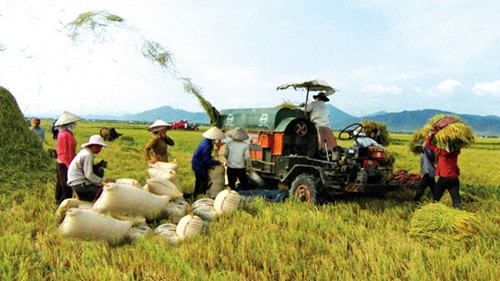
(326,138)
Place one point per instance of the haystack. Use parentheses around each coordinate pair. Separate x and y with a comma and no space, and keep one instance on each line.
(452,133)
(21,151)
(383,136)
(436,221)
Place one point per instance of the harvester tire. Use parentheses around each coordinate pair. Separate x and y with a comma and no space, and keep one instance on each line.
(304,188)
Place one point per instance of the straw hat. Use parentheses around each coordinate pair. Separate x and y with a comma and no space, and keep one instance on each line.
(237,134)
(95,139)
(67,118)
(158,125)
(321,96)
(213,133)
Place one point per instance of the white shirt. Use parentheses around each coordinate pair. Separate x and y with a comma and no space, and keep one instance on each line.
(236,152)
(320,115)
(80,169)
(365,142)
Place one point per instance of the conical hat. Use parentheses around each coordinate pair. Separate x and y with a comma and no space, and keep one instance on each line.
(158,124)
(237,134)
(67,118)
(213,133)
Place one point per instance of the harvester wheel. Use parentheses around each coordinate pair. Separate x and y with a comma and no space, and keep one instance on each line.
(304,188)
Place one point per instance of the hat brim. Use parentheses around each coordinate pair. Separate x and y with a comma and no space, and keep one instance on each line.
(91,143)
(213,133)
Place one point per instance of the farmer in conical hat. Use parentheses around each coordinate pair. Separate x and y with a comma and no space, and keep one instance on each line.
(447,170)
(237,153)
(202,159)
(158,145)
(81,176)
(66,151)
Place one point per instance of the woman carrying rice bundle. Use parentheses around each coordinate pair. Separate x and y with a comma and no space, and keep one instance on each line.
(453,135)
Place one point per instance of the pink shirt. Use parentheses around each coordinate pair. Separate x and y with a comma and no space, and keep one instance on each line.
(66,147)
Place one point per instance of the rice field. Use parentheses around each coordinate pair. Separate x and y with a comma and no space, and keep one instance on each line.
(348,239)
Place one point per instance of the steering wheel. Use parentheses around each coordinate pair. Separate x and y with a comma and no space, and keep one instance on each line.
(348,132)
(301,129)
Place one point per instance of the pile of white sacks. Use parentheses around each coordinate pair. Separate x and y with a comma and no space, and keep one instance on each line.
(124,207)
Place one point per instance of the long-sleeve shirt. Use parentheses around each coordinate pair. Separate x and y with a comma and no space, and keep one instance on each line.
(202,157)
(447,166)
(427,159)
(159,146)
(80,170)
(66,146)
(320,115)
(237,154)
(40,132)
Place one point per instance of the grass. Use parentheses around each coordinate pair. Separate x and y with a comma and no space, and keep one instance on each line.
(348,239)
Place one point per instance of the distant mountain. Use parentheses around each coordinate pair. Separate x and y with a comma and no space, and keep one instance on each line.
(410,121)
(400,122)
(166,113)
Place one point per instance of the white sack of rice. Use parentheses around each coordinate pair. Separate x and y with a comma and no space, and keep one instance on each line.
(68,204)
(170,175)
(130,201)
(161,186)
(165,166)
(136,220)
(87,224)
(216,180)
(138,232)
(168,231)
(177,209)
(204,208)
(125,181)
(227,201)
(191,225)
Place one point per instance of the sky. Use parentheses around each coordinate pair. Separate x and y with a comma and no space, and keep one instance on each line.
(380,55)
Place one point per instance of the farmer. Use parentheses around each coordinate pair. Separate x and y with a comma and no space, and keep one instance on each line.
(447,170)
(81,177)
(237,153)
(39,131)
(202,160)
(320,116)
(427,171)
(54,129)
(66,150)
(158,145)
(361,140)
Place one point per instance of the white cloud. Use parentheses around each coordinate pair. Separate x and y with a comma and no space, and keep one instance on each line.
(448,85)
(491,89)
(381,89)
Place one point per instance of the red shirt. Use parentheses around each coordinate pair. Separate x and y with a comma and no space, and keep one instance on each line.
(66,147)
(447,166)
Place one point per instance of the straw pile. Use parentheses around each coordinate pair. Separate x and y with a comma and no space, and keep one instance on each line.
(20,150)
(452,133)
(383,136)
(436,221)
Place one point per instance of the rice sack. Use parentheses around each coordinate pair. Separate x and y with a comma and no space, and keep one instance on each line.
(137,232)
(130,201)
(170,175)
(176,209)
(125,181)
(161,186)
(164,166)
(87,224)
(68,204)
(227,201)
(191,225)
(168,231)
(204,208)
(216,180)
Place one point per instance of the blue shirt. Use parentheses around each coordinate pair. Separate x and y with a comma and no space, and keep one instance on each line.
(202,157)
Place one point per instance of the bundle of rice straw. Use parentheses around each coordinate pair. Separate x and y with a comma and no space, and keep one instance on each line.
(439,222)
(383,138)
(452,133)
